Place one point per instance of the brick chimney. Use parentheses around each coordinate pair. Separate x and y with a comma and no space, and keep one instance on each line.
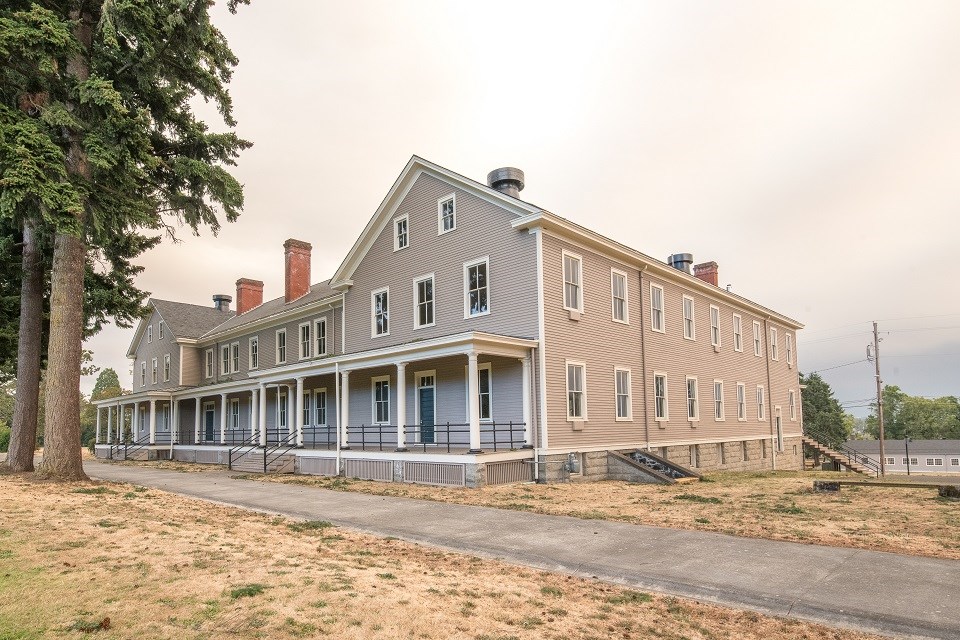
(297,270)
(707,272)
(249,294)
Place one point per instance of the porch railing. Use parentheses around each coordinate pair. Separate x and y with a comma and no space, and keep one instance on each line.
(495,436)
(242,449)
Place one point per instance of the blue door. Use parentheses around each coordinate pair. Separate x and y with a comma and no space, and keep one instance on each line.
(425,400)
(208,418)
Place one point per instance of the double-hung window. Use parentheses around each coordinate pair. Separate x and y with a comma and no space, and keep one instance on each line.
(693,399)
(576,391)
(307,407)
(282,346)
(401,232)
(224,359)
(757,339)
(320,407)
(208,363)
(774,353)
(476,288)
(166,367)
(143,374)
(737,332)
(235,414)
(741,401)
(789,340)
(689,329)
(254,352)
(150,333)
(234,357)
(484,383)
(423,309)
(380,312)
(719,413)
(621,379)
(572,282)
(761,409)
(160,330)
(446,214)
(282,409)
(320,335)
(660,396)
(306,340)
(381,399)
(656,308)
(793,404)
(715,326)
(618,292)
(153,377)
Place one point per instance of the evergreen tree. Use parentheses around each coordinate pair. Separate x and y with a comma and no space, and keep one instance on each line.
(99,142)
(915,417)
(823,418)
(107,385)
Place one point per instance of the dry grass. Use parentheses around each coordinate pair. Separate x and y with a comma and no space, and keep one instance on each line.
(774,505)
(117,561)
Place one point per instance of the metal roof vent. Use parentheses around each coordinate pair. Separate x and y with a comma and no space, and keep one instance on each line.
(508,180)
(681,262)
(221,302)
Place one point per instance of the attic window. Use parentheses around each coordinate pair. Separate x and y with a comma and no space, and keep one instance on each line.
(150,333)
(160,330)
(446,213)
(401,232)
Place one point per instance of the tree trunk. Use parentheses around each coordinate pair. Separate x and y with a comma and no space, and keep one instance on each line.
(62,457)
(23,439)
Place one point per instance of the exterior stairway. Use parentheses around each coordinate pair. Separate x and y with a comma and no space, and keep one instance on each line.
(848,459)
(252,462)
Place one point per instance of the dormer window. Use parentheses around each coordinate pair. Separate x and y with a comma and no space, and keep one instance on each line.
(447,214)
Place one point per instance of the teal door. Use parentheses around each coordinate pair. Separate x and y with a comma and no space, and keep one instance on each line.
(426,409)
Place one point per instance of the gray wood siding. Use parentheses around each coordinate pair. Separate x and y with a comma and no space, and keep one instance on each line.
(603,344)
(482,229)
(158,348)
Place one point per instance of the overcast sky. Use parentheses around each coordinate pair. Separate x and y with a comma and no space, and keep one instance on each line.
(811,149)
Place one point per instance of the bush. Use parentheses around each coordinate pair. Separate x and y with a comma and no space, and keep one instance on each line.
(4,438)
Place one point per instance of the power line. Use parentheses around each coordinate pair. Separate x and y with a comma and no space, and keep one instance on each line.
(849,335)
(846,364)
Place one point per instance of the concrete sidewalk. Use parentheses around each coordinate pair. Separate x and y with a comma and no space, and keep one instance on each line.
(878,592)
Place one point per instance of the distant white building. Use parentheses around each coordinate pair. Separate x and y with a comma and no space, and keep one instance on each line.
(925,456)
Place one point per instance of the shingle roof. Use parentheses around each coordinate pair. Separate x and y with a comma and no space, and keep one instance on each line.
(318,291)
(189,320)
(918,447)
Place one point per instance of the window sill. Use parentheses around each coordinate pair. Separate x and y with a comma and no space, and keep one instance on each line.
(693,339)
(476,315)
(716,348)
(424,326)
(630,419)
(626,322)
(379,335)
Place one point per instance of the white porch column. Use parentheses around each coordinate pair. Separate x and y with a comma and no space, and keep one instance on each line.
(134,424)
(223,418)
(196,420)
(473,386)
(175,420)
(153,421)
(345,410)
(262,420)
(299,412)
(527,405)
(109,424)
(291,405)
(401,405)
(254,411)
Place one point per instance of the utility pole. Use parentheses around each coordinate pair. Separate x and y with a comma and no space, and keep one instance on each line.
(876,362)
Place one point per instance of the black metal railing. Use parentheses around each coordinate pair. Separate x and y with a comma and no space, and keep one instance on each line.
(496,436)
(242,449)
(271,454)
(129,448)
(320,436)
(852,456)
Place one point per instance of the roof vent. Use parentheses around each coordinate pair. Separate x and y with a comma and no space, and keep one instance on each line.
(508,180)
(681,262)
(221,302)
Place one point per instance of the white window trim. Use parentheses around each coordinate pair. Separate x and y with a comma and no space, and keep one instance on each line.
(166,367)
(153,371)
(480,367)
(663,309)
(416,300)
(629,416)
(742,387)
(761,403)
(234,403)
(626,296)
(774,350)
(563,269)
(160,330)
(307,408)
(373,399)
(283,405)
(566,384)
(143,374)
(373,312)
(696,397)
(319,322)
(149,333)
(300,342)
(466,288)
(235,361)
(723,405)
(738,323)
(792,402)
(225,349)
(666,396)
(788,338)
(417,375)
(313,407)
(693,318)
(757,339)
(440,201)
(253,362)
(286,347)
(396,236)
(719,341)
(208,363)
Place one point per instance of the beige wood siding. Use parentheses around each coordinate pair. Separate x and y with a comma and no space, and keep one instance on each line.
(192,365)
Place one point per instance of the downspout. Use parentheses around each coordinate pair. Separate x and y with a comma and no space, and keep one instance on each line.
(769,399)
(336,384)
(343,324)
(643,363)
(542,440)
(174,421)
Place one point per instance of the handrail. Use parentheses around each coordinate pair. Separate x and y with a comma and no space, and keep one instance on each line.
(249,443)
(852,455)
(278,450)
(133,447)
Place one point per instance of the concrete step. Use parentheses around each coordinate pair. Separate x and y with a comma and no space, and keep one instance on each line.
(253,463)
